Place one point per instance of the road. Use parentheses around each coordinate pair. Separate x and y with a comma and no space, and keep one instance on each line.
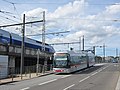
(99,77)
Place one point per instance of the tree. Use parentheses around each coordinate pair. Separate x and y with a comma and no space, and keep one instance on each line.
(98,59)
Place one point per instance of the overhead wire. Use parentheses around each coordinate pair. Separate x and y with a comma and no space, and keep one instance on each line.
(15,9)
(9,14)
(8,18)
(63,3)
(78,18)
(13,3)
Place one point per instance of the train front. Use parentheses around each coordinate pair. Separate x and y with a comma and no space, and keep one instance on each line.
(61,63)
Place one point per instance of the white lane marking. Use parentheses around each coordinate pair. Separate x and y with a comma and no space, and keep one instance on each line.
(84,79)
(100,70)
(47,82)
(25,88)
(116,65)
(118,84)
(69,87)
(65,76)
(86,69)
(105,67)
(93,74)
(100,64)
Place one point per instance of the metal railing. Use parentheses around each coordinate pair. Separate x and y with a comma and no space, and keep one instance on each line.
(29,72)
(15,71)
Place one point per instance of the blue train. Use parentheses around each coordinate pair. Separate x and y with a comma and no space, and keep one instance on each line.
(14,39)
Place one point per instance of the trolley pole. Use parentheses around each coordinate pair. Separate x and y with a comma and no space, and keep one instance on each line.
(22,47)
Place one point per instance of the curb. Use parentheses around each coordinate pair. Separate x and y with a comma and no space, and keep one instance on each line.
(9,82)
(45,74)
(24,79)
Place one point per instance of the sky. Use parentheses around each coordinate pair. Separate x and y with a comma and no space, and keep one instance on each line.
(97,20)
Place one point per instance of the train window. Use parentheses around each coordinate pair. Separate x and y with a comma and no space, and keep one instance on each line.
(39,42)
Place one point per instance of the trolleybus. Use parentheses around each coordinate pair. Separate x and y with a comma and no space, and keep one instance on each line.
(71,61)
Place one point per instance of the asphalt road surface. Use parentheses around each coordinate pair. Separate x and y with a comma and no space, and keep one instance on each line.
(99,77)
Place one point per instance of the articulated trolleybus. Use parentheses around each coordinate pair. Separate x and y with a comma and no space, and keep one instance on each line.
(71,61)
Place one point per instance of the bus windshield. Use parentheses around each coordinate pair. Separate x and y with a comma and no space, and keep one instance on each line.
(60,60)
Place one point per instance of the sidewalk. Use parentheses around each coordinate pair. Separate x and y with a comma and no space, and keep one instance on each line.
(24,77)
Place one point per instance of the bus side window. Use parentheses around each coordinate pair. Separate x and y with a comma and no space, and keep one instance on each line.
(0,35)
(68,61)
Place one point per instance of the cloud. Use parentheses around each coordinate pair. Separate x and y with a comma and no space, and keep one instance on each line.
(34,13)
(113,9)
(70,9)
(96,28)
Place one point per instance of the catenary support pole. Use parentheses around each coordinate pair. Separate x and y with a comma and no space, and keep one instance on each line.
(22,47)
(43,42)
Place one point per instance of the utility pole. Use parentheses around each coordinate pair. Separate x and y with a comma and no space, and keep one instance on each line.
(79,43)
(43,42)
(104,52)
(38,56)
(94,50)
(22,47)
(82,44)
(117,54)
(119,58)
